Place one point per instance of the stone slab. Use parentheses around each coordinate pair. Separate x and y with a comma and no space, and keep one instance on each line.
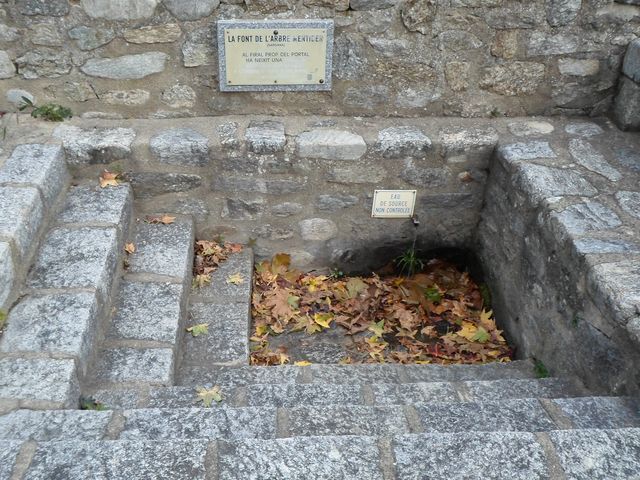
(586,155)
(347,458)
(96,145)
(543,182)
(76,258)
(458,140)
(591,454)
(41,166)
(626,109)
(265,137)
(21,215)
(631,64)
(521,388)
(461,373)
(525,415)
(149,184)
(147,311)
(347,420)
(137,366)
(583,129)
(587,217)
(202,423)
(355,374)
(404,141)
(119,460)
(228,337)
(44,426)
(63,324)
(330,144)
(298,395)
(616,286)
(519,152)
(601,412)
(587,245)
(629,202)
(7,272)
(8,454)
(495,455)
(239,376)
(40,380)
(123,399)
(163,249)
(413,393)
(241,263)
(180,146)
(126,67)
(183,397)
(94,205)
(532,128)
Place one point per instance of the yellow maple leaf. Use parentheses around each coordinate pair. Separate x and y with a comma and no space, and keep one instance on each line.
(235,279)
(208,395)
(323,319)
(108,179)
(199,329)
(201,280)
(302,363)
(468,331)
(129,247)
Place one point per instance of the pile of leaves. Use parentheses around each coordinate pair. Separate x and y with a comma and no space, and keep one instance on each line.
(435,316)
(208,257)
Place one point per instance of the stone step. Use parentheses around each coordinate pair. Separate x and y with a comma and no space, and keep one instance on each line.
(354,374)
(291,395)
(145,329)
(574,454)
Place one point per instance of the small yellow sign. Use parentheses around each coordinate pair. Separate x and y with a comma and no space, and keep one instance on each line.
(282,56)
(393,203)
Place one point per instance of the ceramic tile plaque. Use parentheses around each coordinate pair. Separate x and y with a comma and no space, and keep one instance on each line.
(280,55)
(393,203)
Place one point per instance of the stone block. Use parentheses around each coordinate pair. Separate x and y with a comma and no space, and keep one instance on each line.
(228,337)
(585,246)
(166,33)
(139,366)
(590,454)
(38,380)
(631,65)
(148,311)
(150,184)
(191,9)
(40,166)
(230,377)
(96,145)
(405,141)
(578,68)
(54,8)
(355,374)
(542,182)
(199,48)
(413,393)
(241,263)
(627,105)
(519,152)
(183,397)
(89,38)
(531,128)
(419,176)
(601,412)
(21,215)
(371,4)
(8,454)
(51,425)
(203,423)
(270,186)
(181,146)
(335,202)
(44,63)
(456,140)
(7,68)
(628,157)
(241,209)
(616,287)
(265,137)
(583,129)
(496,455)
(76,258)
(119,9)
(461,373)
(173,241)
(117,399)
(179,96)
(287,396)
(514,78)
(586,155)
(94,205)
(629,202)
(357,174)
(497,390)
(347,458)
(330,144)
(526,415)
(61,324)
(7,272)
(126,67)
(77,460)
(562,12)
(543,44)
(586,217)
(317,229)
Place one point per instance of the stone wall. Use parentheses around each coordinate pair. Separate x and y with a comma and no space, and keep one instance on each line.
(627,104)
(158,58)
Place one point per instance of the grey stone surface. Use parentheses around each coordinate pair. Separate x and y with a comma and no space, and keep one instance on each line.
(242,263)
(149,184)
(355,374)
(45,426)
(166,33)
(54,8)
(228,337)
(584,129)
(96,145)
(518,152)
(286,209)
(7,68)
(627,105)
(330,144)
(417,15)
(356,174)
(617,287)
(336,201)
(230,377)
(89,38)
(586,155)
(456,140)
(147,311)
(371,4)
(238,209)
(136,366)
(532,128)
(108,460)
(413,393)
(578,68)
(562,12)
(521,388)
(40,380)
(202,423)
(461,373)
(191,9)
(405,141)
(180,146)
(270,186)
(41,166)
(525,415)
(265,137)
(179,96)
(629,158)
(496,455)
(126,97)
(589,216)
(117,399)
(595,245)
(514,79)
(8,454)
(199,48)
(76,258)
(543,182)
(629,202)
(302,395)
(14,96)
(601,412)
(631,64)
(44,63)
(590,454)
(61,324)
(7,272)
(298,459)
(21,215)
(119,9)
(175,241)
(126,67)
(317,229)
(87,204)
(541,43)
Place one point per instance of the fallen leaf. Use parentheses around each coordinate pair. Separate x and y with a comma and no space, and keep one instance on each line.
(302,363)
(199,329)
(129,247)
(208,395)
(201,280)
(235,279)
(108,179)
(160,219)
(323,319)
